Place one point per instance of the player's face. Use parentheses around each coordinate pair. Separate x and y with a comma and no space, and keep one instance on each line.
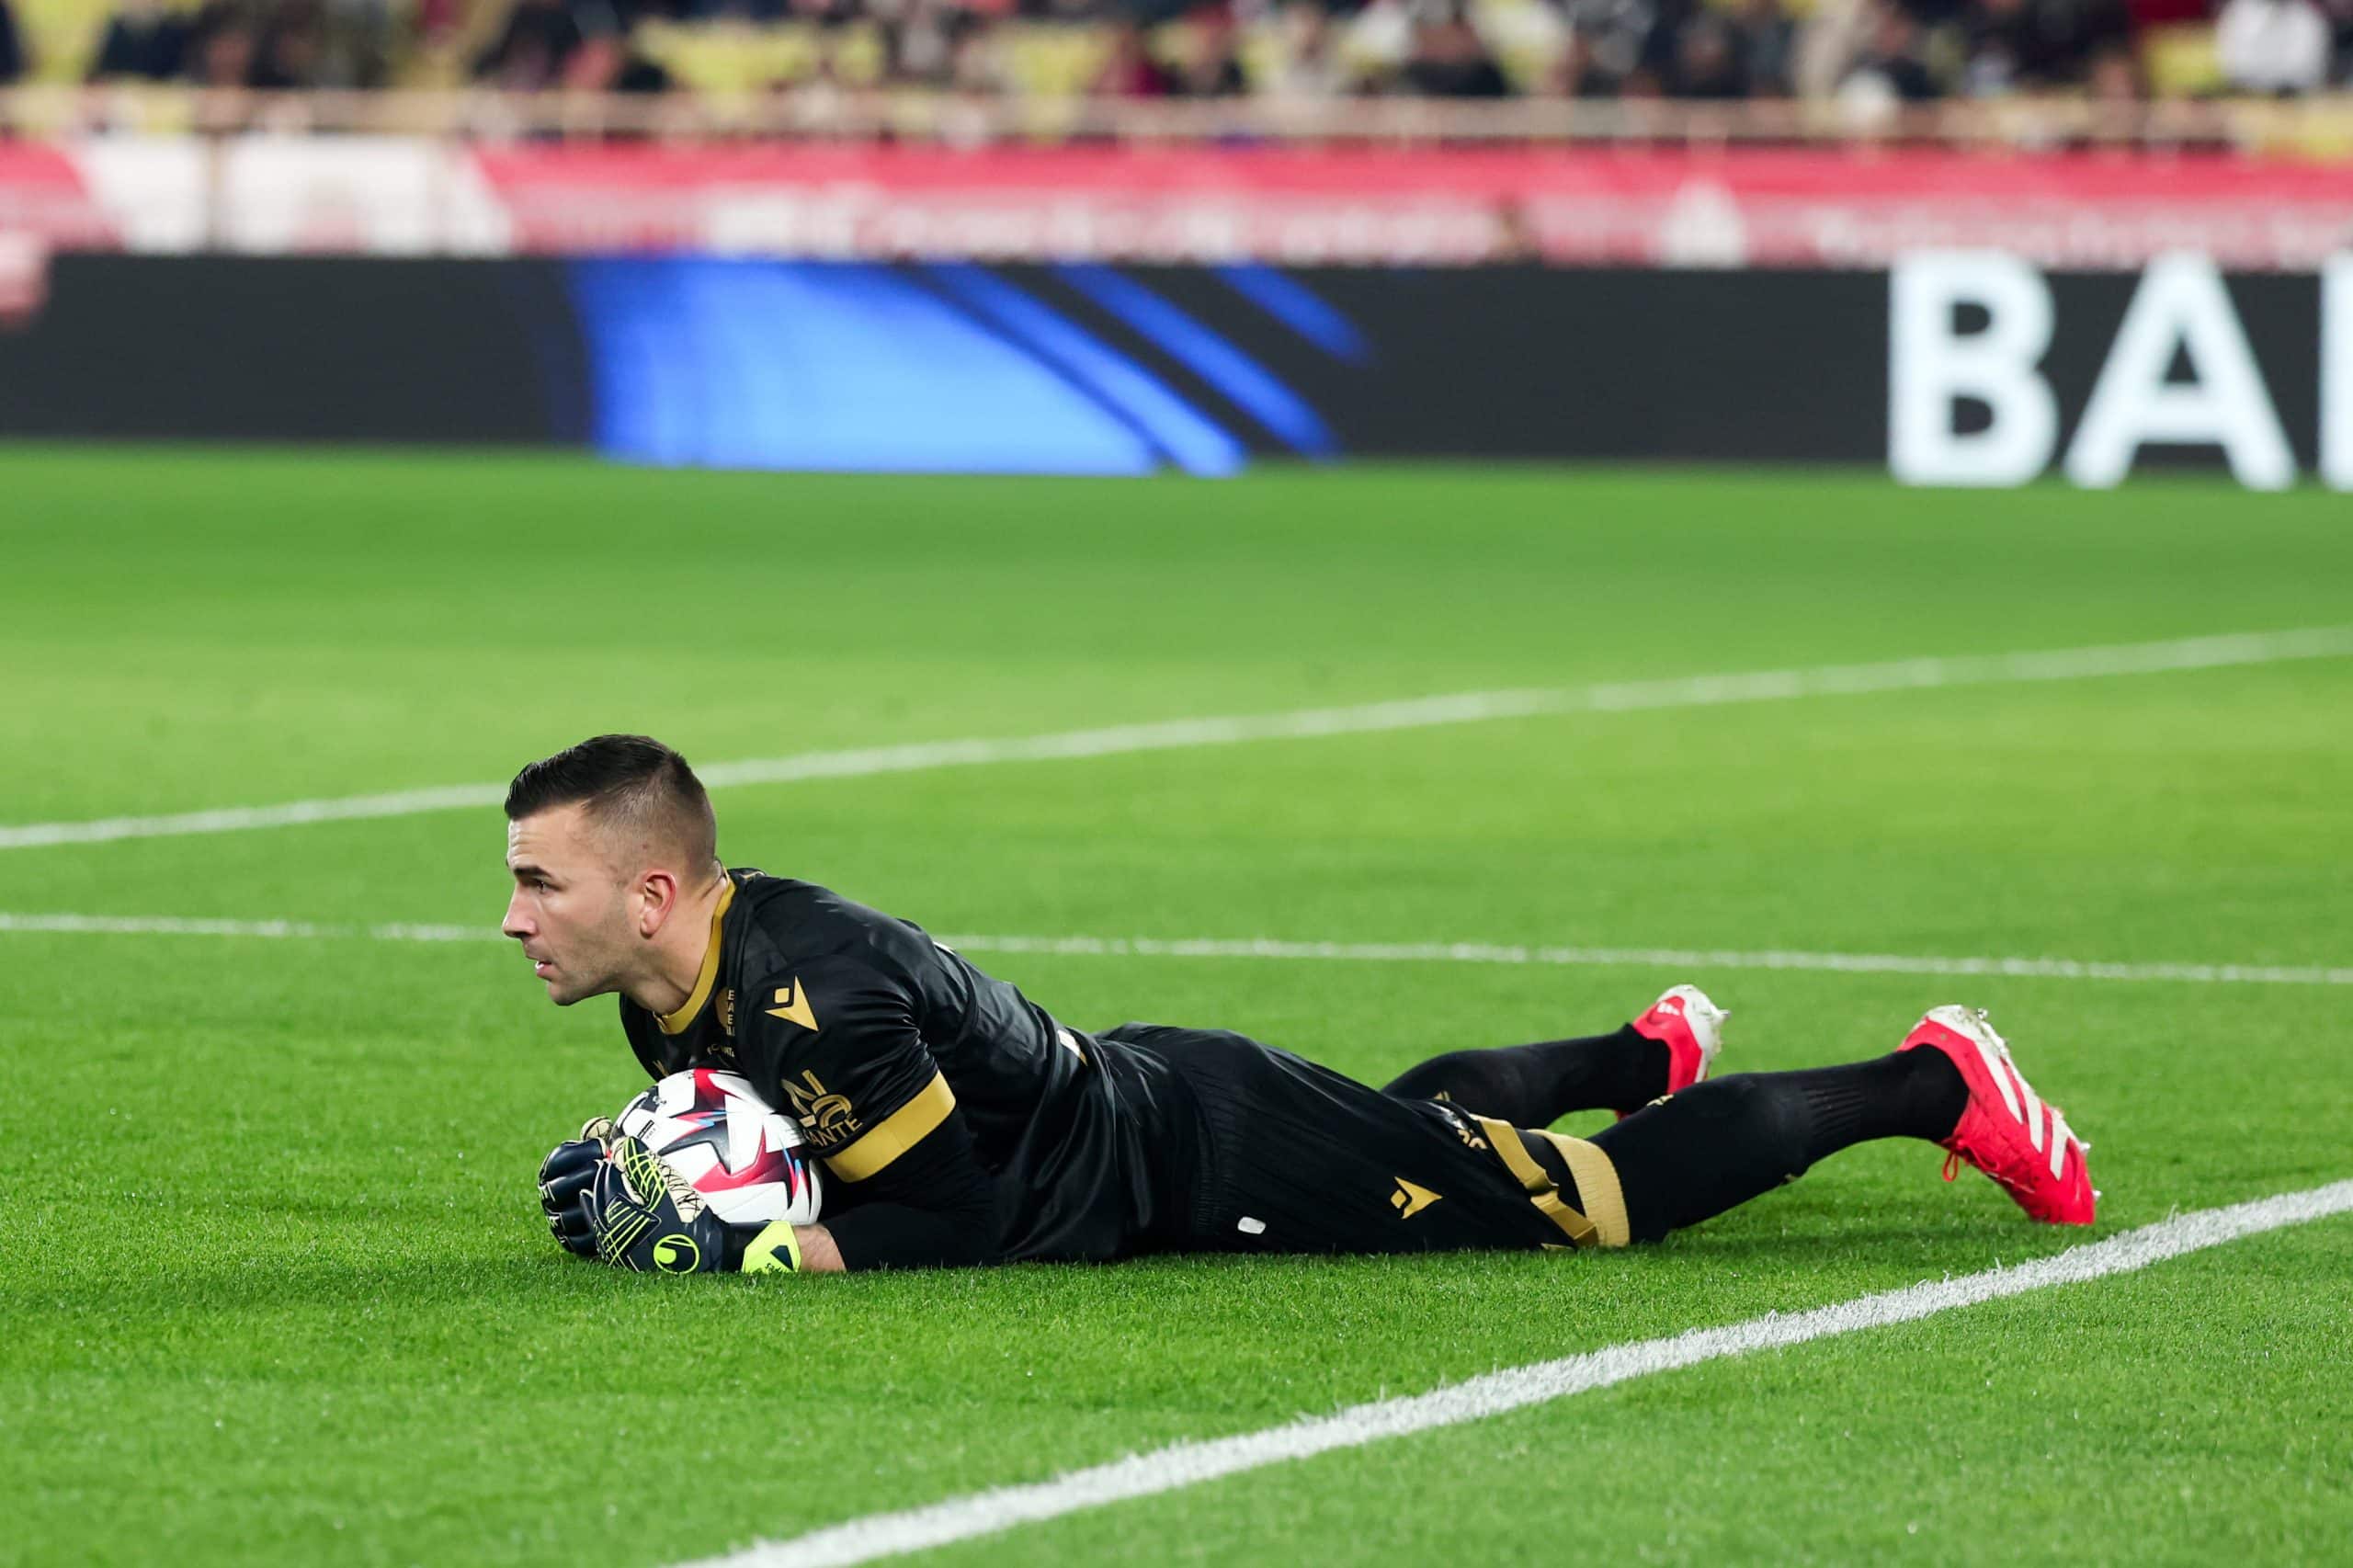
(569,908)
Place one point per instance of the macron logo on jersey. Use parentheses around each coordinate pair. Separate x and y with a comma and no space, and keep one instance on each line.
(792,1005)
(1410,1200)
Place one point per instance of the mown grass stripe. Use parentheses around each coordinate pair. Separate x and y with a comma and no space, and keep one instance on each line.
(1342,952)
(1413,713)
(1664,957)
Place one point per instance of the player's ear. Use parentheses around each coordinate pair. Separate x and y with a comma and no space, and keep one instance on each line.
(657,900)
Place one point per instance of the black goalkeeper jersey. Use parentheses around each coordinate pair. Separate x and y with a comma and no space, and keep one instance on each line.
(959,1121)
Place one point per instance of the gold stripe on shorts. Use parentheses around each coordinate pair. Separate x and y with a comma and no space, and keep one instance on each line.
(1597,1188)
(1504,1139)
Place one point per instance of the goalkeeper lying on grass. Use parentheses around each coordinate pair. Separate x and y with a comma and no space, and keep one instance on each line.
(962,1123)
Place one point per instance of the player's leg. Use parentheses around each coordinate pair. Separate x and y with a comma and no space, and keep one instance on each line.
(1722,1143)
(1719,1143)
(1667,1050)
(1531,1086)
(1293,1157)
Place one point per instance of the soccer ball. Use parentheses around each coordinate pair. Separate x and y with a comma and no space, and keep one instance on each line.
(745,1161)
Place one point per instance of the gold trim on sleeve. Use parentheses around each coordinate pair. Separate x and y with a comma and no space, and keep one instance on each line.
(895,1133)
(676,1023)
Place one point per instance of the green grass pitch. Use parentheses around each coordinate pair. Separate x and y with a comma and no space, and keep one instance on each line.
(275,1288)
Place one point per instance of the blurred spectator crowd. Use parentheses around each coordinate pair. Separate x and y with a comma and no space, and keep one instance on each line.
(1873,53)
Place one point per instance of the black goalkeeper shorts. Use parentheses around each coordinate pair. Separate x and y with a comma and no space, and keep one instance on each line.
(1292,1157)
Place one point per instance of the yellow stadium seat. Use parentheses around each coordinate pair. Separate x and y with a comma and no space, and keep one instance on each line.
(1050,60)
(2180,61)
(62,35)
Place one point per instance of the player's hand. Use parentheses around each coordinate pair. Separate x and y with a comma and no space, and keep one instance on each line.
(643,1217)
(565,1179)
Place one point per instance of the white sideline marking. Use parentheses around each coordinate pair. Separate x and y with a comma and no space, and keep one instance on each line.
(1346,953)
(1191,1463)
(1462,708)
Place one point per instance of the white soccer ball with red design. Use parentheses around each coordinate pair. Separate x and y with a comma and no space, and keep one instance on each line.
(745,1159)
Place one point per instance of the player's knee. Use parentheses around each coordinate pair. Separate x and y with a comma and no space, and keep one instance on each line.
(1735,1097)
(1754,1110)
(1453,1077)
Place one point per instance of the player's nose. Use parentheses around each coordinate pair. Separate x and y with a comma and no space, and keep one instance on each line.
(517,923)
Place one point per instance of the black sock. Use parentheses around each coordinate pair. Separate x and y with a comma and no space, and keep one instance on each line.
(1719,1143)
(1912,1094)
(1535,1086)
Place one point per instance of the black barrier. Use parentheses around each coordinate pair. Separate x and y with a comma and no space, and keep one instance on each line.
(1099,369)
(277,350)
(1528,362)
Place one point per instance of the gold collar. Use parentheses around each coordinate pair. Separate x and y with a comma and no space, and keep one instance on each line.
(676,1023)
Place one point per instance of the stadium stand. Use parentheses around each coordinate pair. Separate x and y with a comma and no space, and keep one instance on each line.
(1864,51)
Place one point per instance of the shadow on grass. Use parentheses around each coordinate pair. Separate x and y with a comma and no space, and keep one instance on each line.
(537,1296)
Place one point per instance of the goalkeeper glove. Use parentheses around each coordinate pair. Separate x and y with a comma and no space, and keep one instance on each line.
(646,1216)
(564,1176)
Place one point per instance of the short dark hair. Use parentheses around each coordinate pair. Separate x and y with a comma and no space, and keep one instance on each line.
(624,781)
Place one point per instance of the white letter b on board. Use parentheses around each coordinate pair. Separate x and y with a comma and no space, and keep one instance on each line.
(1930,368)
